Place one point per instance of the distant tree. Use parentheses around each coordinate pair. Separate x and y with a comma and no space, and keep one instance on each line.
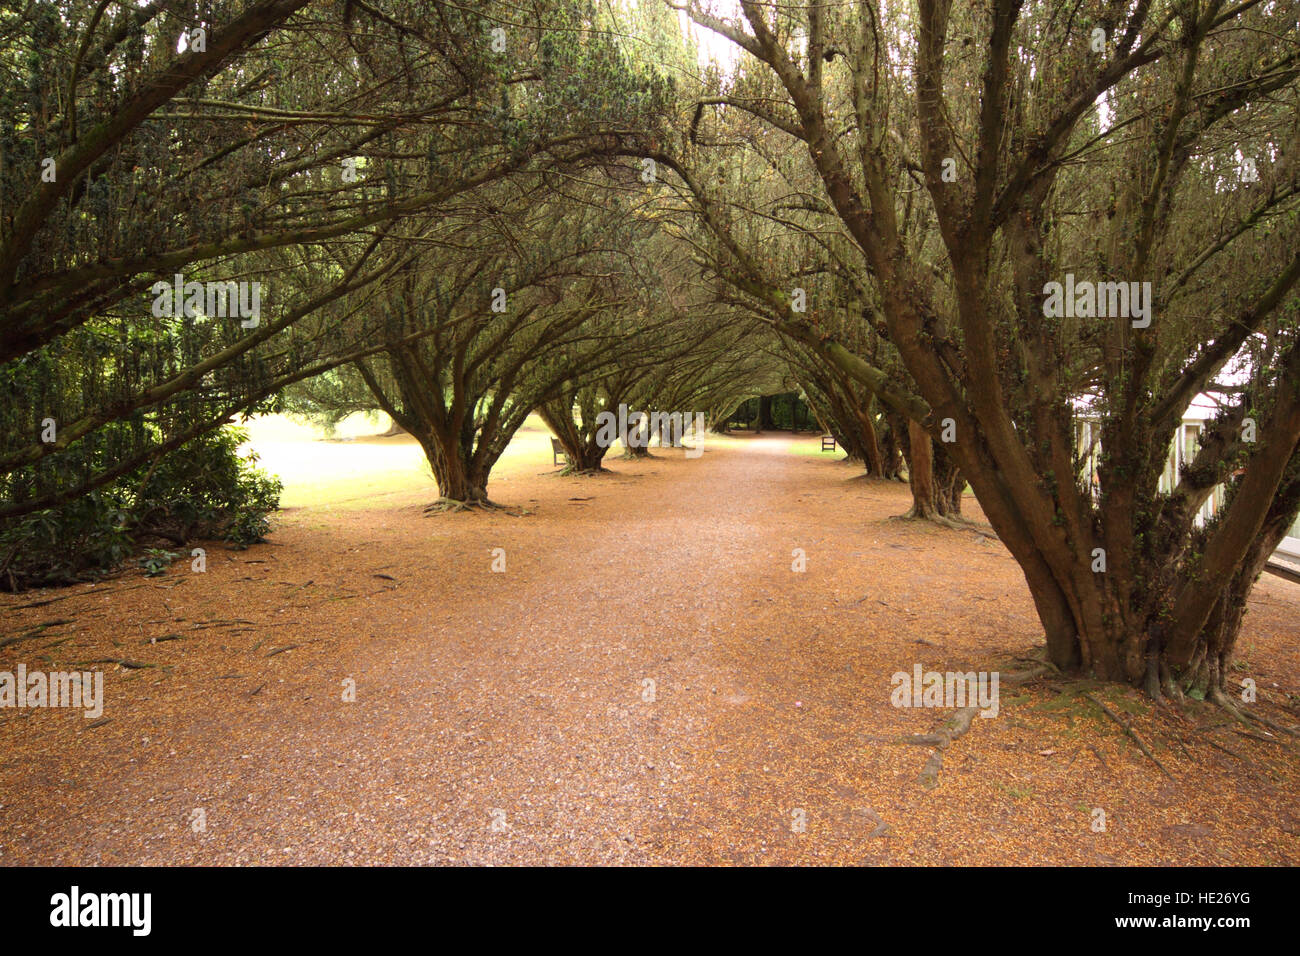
(518,301)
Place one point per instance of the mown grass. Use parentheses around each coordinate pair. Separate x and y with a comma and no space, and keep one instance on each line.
(356,469)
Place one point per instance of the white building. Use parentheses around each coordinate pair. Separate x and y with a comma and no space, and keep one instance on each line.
(1187,442)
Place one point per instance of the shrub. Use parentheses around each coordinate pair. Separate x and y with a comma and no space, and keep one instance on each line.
(204,489)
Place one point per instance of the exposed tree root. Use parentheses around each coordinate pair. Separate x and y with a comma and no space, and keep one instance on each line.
(960,723)
(120,661)
(1219,698)
(1227,751)
(948,521)
(451,506)
(955,726)
(37,631)
(1287,707)
(952,728)
(1263,740)
(1023,677)
(1272,725)
(19,607)
(1100,759)
(281,650)
(1131,732)
(963,524)
(163,638)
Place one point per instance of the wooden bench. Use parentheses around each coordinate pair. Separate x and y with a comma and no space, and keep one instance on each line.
(828,443)
(556,451)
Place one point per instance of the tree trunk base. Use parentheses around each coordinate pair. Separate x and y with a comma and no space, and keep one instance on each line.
(947,521)
(452,505)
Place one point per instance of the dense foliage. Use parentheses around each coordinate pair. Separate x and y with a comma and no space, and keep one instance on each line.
(209,490)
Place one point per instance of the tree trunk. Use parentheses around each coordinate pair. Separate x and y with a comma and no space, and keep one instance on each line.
(585,458)
(457,478)
(582,453)
(920,472)
(891,447)
(948,483)
(871,455)
(638,439)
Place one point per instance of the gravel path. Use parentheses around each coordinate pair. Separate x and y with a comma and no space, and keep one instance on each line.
(508,717)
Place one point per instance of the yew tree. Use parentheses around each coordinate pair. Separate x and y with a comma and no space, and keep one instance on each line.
(1100,141)
(282,142)
(512,297)
(779,252)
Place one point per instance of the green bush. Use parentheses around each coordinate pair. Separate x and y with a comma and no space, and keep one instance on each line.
(207,490)
(204,489)
(55,546)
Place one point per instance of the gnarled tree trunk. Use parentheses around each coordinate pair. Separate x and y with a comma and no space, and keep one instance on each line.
(459,477)
(583,454)
(920,472)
